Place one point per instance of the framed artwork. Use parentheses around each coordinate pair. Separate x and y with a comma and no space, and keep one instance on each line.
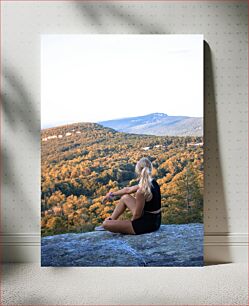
(122,150)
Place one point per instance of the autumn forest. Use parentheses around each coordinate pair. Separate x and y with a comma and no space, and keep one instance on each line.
(81,162)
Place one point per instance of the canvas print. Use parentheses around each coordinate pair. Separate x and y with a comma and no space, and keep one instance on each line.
(122,150)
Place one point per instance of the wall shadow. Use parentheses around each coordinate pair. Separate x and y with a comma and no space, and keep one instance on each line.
(213,177)
(95,13)
(14,96)
(24,115)
(18,116)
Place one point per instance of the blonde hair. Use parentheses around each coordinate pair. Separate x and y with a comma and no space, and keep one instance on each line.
(144,171)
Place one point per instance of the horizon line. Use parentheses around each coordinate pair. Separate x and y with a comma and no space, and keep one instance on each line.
(120,118)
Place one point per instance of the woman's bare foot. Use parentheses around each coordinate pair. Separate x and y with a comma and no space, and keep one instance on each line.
(101,227)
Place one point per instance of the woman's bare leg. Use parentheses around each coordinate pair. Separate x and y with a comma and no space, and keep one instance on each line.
(126,201)
(121,226)
(118,210)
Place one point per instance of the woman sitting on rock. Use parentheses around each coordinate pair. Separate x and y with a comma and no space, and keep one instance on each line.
(145,206)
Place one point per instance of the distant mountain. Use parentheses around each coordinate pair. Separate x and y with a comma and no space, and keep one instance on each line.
(158,124)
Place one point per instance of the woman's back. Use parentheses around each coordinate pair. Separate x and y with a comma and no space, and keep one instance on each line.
(155,202)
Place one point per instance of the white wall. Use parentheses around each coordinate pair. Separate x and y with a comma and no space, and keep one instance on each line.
(224,25)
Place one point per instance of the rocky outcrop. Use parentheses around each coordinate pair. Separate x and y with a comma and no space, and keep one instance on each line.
(171,245)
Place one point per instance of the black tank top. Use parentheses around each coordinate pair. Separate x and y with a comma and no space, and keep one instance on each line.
(155,202)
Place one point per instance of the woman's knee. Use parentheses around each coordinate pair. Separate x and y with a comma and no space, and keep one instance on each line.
(129,201)
(125,197)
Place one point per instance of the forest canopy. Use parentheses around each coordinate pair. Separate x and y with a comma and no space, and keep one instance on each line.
(81,162)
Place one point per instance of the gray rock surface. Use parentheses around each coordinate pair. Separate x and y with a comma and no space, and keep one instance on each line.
(171,245)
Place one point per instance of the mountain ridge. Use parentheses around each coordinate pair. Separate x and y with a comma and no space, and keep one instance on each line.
(158,124)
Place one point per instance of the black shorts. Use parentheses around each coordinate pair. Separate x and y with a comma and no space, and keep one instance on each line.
(147,223)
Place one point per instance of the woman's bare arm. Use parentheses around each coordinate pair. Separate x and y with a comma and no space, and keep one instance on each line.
(125,190)
(140,201)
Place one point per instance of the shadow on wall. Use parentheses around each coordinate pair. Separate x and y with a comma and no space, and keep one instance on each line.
(95,14)
(17,106)
(214,194)
(19,116)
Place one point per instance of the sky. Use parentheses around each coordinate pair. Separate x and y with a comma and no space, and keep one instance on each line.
(97,77)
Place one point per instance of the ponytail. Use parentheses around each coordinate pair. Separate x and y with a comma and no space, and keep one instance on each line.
(144,170)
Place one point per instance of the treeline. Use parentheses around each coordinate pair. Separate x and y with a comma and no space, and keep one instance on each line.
(81,162)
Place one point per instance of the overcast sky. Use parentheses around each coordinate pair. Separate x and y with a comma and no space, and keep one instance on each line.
(95,77)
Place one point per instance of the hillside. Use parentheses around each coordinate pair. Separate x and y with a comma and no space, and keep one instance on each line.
(158,124)
(81,162)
